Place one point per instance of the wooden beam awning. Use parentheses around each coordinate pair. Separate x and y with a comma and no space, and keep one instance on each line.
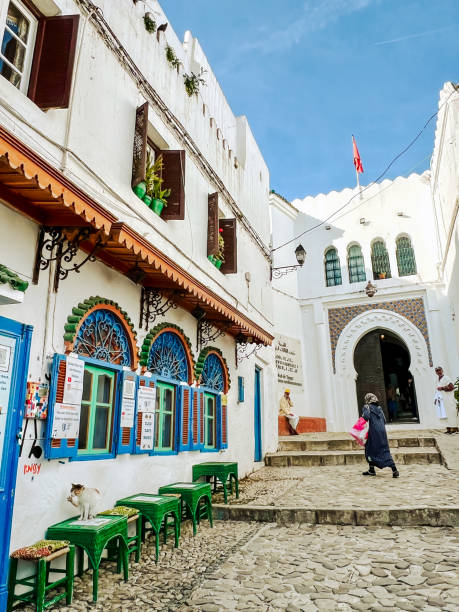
(132,255)
(37,190)
(32,186)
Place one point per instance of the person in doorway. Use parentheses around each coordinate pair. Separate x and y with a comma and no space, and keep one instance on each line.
(445,401)
(285,409)
(391,402)
(377,451)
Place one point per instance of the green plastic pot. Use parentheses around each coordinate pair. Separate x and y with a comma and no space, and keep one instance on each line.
(211,258)
(140,190)
(157,206)
(218,263)
(147,200)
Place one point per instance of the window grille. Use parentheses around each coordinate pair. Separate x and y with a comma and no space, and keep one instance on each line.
(332,268)
(380,260)
(406,261)
(356,264)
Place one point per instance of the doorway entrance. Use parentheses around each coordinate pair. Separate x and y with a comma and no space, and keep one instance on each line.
(382,362)
(14,364)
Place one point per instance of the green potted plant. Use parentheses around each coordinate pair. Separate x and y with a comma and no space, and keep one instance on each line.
(149,22)
(193,82)
(171,57)
(156,196)
(220,257)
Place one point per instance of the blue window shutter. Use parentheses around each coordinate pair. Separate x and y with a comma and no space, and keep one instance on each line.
(185,417)
(144,381)
(197,422)
(240,389)
(222,424)
(57,448)
(126,435)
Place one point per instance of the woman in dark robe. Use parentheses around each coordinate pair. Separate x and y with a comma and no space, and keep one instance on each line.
(377,451)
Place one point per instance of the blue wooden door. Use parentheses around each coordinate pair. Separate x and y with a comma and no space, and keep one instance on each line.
(14,361)
(257,415)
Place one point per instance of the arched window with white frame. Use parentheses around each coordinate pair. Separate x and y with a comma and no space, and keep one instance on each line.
(332,268)
(406,260)
(380,259)
(356,264)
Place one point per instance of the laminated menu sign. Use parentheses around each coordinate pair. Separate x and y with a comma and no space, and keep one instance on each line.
(148,426)
(146,399)
(74,372)
(127,412)
(66,420)
(7,349)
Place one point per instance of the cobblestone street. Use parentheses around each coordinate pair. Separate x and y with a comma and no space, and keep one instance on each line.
(253,566)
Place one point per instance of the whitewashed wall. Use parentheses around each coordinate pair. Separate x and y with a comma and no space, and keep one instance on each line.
(385,211)
(100,131)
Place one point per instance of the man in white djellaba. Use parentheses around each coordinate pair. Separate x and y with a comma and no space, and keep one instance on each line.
(445,401)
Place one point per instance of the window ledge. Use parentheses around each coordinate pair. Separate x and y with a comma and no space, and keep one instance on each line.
(47,7)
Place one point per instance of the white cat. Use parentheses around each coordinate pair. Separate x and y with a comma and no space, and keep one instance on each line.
(86,499)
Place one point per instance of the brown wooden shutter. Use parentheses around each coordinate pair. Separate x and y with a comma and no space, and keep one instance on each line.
(174,179)
(52,67)
(139,155)
(212,224)
(225,425)
(201,416)
(229,236)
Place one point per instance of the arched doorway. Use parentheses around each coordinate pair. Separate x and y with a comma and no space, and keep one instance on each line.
(382,362)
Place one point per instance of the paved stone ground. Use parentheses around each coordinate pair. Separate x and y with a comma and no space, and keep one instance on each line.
(259,567)
(345,487)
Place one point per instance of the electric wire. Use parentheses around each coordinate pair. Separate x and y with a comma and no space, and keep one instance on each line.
(378,178)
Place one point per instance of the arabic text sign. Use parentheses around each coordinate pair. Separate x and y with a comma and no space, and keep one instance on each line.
(288,361)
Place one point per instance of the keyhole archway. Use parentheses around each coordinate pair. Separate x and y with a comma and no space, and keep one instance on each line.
(382,362)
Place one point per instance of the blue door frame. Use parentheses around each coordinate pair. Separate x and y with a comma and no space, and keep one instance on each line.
(257,415)
(14,362)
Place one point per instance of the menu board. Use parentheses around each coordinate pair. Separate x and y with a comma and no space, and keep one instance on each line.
(7,348)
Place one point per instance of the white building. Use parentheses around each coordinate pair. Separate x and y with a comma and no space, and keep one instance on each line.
(80,82)
(400,236)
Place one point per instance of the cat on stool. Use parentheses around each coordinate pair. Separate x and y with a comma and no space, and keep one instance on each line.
(86,499)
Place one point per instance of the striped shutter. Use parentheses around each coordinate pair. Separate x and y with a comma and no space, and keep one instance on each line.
(185,418)
(56,448)
(222,423)
(197,425)
(126,435)
(144,381)
(139,154)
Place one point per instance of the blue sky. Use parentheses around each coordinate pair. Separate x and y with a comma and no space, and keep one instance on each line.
(310,73)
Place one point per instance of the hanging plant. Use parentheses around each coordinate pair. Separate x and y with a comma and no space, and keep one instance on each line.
(150,23)
(221,246)
(193,82)
(171,57)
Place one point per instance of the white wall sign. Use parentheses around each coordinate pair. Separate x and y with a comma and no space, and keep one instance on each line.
(66,420)
(289,362)
(73,388)
(148,427)
(127,412)
(146,399)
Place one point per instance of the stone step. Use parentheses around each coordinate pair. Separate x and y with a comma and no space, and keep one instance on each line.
(315,458)
(297,443)
(447,516)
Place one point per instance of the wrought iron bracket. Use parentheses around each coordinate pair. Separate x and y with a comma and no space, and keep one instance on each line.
(245,350)
(207,332)
(153,304)
(282,271)
(54,245)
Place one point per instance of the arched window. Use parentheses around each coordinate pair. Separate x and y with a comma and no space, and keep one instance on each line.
(332,268)
(168,357)
(406,261)
(380,260)
(103,336)
(356,264)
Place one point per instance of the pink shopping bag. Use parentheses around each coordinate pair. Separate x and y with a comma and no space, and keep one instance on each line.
(360,431)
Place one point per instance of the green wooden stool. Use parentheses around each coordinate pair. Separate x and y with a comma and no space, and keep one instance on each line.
(222,470)
(43,553)
(93,536)
(134,543)
(155,509)
(192,494)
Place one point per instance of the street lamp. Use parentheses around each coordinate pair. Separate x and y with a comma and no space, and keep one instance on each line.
(300,255)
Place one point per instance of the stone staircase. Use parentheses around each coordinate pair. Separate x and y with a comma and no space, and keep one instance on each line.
(325,449)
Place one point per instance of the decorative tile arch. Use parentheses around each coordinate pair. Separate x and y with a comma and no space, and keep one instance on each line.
(212,370)
(100,329)
(167,350)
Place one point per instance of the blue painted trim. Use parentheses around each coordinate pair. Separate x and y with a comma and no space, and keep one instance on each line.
(23,336)
(90,457)
(258,452)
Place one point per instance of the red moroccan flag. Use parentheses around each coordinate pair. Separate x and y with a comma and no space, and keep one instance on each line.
(357,160)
